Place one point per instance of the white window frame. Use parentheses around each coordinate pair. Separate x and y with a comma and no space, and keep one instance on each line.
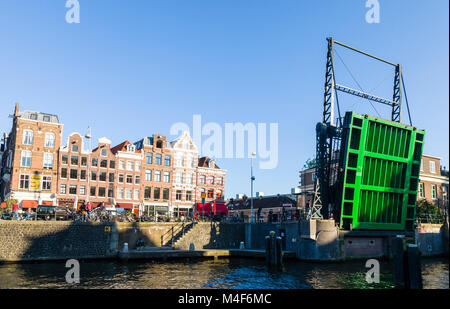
(121,164)
(50,140)
(26,137)
(434,192)
(61,191)
(137,192)
(157,176)
(71,187)
(103,152)
(148,175)
(22,156)
(166,177)
(48,181)
(432,167)
(421,190)
(120,193)
(82,190)
(130,165)
(47,162)
(130,195)
(26,178)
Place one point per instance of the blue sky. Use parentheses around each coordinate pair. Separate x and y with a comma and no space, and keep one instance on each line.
(134,68)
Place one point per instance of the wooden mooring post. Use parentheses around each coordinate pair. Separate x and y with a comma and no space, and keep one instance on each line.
(273,249)
(407,266)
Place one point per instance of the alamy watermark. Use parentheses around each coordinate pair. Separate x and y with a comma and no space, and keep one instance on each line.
(373,14)
(73,14)
(73,274)
(229,142)
(373,274)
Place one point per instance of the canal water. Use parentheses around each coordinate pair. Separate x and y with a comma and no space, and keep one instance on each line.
(223,274)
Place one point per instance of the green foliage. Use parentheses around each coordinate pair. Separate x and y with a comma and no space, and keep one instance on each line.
(9,203)
(424,208)
(310,163)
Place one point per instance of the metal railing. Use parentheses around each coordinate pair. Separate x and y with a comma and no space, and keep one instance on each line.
(175,232)
(433,219)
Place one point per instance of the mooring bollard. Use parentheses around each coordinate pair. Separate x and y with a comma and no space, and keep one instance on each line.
(125,247)
(191,247)
(414,267)
(273,249)
(242,245)
(398,257)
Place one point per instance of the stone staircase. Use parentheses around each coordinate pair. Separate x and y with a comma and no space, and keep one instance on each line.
(179,232)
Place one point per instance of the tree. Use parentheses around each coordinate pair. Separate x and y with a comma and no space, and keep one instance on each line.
(424,208)
(9,203)
(310,163)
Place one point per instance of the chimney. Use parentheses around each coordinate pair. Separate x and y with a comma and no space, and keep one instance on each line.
(16,110)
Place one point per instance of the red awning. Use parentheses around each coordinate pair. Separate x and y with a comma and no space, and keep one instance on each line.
(125,205)
(49,203)
(29,204)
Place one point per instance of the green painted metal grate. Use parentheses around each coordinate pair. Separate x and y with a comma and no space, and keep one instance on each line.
(381,173)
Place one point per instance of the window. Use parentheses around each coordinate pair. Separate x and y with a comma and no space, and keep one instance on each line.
(33,116)
(201,180)
(62,189)
(159,144)
(93,189)
(218,194)
(24,182)
(82,190)
(83,161)
(101,191)
(167,160)
(48,160)
(210,180)
(120,193)
(165,194)
(128,194)
(421,190)
(131,148)
(166,178)
(189,196)
(94,176)
(433,192)
(137,166)
(136,194)
(156,193)
(73,174)
(27,137)
(421,165)
(433,167)
(219,180)
(64,173)
(26,158)
(111,177)
(147,193)
(180,160)
(158,176)
(73,160)
(73,189)
(148,175)
(102,176)
(149,158)
(120,178)
(130,165)
(189,179)
(179,178)
(130,179)
(111,192)
(185,145)
(49,140)
(158,159)
(112,164)
(46,183)
(104,163)
(103,152)
(46,118)
(190,161)
(94,162)
(137,179)
(178,195)
(211,193)
(74,148)
(83,175)
(121,164)
(64,159)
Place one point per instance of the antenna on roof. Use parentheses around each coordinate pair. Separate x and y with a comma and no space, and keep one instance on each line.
(88,133)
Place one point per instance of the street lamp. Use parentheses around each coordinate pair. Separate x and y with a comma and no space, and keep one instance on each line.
(88,136)
(252,179)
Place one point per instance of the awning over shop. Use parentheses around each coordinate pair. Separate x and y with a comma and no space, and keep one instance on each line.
(125,205)
(29,204)
(49,203)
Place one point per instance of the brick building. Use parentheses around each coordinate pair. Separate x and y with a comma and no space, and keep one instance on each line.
(29,160)
(151,177)
(433,181)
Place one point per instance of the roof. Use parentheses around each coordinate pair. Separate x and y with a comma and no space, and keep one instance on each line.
(38,116)
(204,162)
(123,147)
(264,202)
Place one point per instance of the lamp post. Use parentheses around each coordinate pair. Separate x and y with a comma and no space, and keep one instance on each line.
(88,136)
(252,179)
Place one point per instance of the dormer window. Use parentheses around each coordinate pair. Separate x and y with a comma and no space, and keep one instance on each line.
(33,116)
(159,144)
(131,148)
(211,163)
